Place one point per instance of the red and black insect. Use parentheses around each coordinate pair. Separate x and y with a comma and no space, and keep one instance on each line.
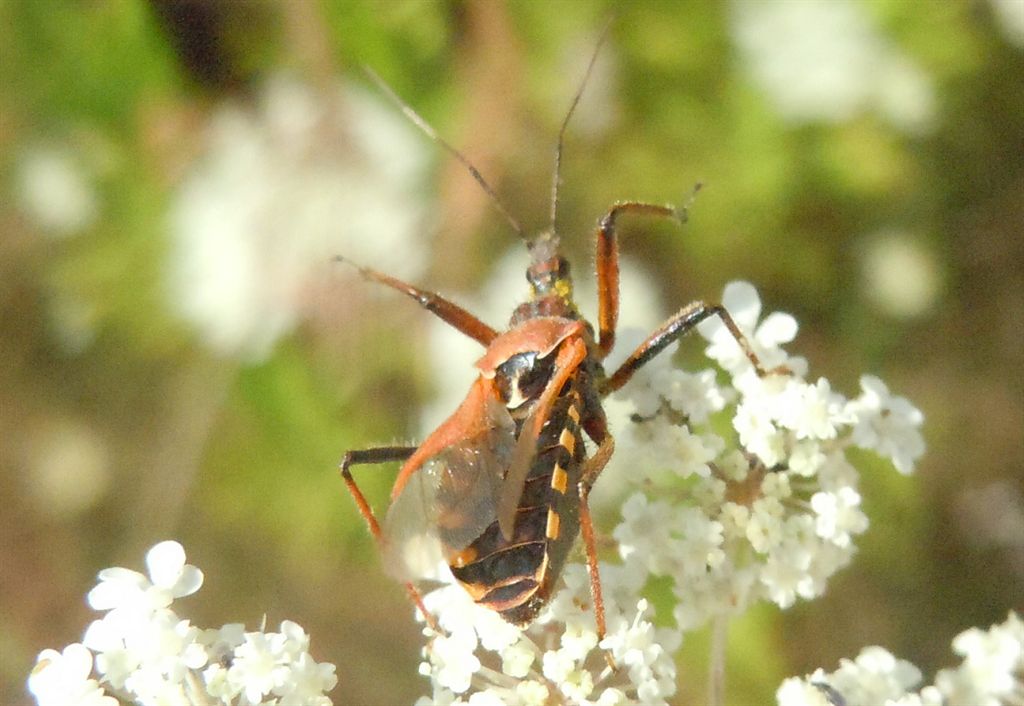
(508,473)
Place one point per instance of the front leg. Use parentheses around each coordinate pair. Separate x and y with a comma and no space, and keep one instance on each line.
(607,258)
(683,321)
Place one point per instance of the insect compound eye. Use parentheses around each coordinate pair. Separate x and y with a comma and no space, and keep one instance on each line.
(523,377)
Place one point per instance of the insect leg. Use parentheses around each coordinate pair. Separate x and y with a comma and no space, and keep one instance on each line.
(449,312)
(683,321)
(381,454)
(608,267)
(591,470)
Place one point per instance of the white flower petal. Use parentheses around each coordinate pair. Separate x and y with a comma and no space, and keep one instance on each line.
(165,562)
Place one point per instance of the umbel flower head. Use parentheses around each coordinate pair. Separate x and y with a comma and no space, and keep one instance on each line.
(741,492)
(991,674)
(770,509)
(480,659)
(141,652)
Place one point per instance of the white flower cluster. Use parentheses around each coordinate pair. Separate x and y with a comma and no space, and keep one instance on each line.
(146,654)
(481,660)
(824,60)
(280,191)
(992,674)
(769,510)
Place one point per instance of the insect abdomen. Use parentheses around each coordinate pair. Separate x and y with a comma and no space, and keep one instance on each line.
(515,577)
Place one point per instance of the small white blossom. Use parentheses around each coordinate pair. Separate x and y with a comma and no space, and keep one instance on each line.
(259,665)
(806,459)
(644,528)
(453,661)
(532,693)
(887,424)
(518,659)
(133,594)
(764,528)
(578,640)
(812,411)
(62,679)
(786,574)
(804,692)
(307,683)
(742,302)
(839,515)
(695,395)
(697,546)
(647,653)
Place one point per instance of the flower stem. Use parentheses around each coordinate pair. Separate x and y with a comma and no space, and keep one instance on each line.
(716,672)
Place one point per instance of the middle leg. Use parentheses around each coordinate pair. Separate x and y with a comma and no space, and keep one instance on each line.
(594,465)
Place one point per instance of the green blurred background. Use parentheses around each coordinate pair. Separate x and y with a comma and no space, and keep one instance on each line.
(180,358)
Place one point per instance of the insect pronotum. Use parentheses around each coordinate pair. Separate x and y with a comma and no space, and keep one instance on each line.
(508,473)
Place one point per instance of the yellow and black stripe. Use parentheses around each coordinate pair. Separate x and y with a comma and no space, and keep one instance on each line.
(515,577)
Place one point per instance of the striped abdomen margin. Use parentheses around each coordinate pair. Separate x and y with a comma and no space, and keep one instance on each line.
(515,578)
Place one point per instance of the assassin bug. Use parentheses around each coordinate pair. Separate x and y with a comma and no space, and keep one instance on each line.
(507,474)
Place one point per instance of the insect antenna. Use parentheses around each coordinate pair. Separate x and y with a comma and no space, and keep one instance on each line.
(556,179)
(423,125)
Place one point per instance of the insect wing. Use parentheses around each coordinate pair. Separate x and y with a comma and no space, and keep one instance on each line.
(412,550)
(450,501)
(520,459)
